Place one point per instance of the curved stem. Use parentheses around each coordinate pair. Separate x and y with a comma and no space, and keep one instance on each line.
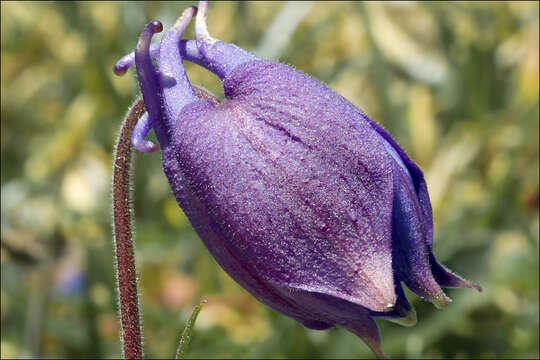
(123,238)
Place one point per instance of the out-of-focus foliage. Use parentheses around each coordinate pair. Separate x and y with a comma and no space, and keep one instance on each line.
(455,83)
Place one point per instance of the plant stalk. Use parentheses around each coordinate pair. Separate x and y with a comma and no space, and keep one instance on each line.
(123,237)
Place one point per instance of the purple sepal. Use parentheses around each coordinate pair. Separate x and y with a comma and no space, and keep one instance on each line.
(221,57)
(302,199)
(176,90)
(417,178)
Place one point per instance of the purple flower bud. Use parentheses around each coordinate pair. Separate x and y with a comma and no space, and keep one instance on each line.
(300,197)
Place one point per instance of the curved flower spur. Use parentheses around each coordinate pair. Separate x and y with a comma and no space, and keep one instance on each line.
(302,199)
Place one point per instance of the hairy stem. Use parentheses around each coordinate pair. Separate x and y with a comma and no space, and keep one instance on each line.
(123,237)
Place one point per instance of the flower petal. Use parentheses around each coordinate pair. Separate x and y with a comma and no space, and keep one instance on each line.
(149,81)
(410,250)
(336,311)
(298,187)
(417,177)
(176,88)
(447,278)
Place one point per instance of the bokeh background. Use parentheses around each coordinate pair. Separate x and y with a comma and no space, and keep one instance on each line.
(455,83)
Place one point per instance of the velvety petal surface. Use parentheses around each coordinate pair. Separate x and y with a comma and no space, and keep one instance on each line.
(299,184)
(410,250)
(210,229)
(411,175)
(417,178)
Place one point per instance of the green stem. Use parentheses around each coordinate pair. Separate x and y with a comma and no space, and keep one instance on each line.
(186,334)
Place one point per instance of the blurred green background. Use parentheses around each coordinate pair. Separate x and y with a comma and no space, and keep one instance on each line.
(456,84)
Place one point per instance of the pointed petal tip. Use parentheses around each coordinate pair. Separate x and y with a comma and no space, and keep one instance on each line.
(374,345)
(440,300)
(447,278)
(381,355)
(474,286)
(469,284)
(377,350)
(409,319)
(368,332)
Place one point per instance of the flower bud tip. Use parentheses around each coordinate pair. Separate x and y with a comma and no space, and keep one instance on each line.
(440,302)
(157,26)
(119,69)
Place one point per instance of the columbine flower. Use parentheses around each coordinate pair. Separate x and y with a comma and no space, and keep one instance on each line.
(303,199)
